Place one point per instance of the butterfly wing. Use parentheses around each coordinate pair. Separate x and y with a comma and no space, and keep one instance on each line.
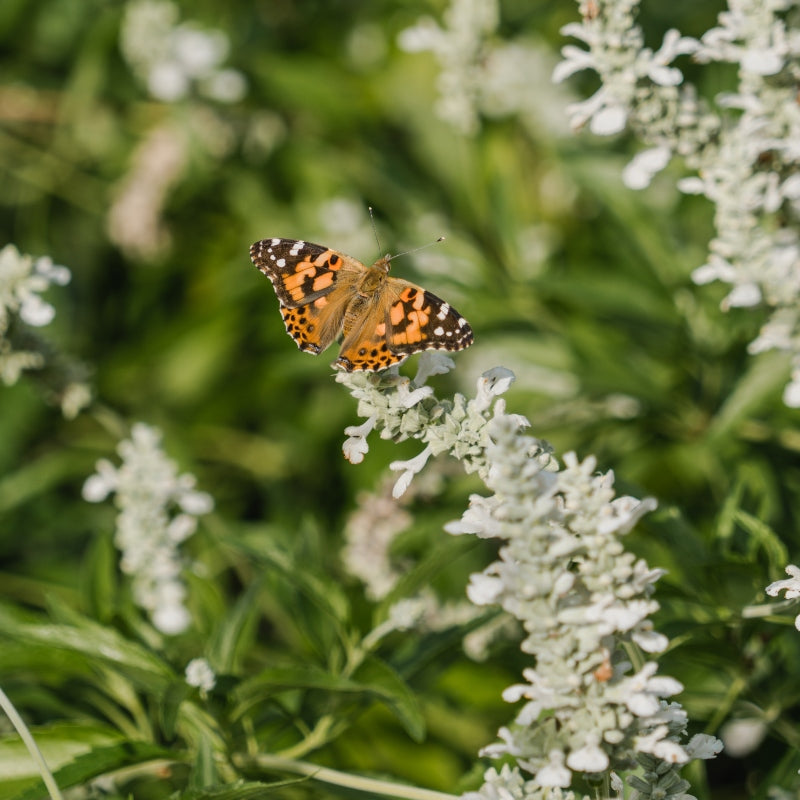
(314,285)
(405,319)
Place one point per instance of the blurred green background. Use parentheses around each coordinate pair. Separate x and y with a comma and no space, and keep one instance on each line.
(577,284)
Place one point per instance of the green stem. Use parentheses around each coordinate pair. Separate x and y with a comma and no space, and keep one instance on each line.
(337,778)
(30,743)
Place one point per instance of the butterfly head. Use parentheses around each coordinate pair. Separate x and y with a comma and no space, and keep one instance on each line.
(383,264)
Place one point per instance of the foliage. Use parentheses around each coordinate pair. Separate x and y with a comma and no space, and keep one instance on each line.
(146,160)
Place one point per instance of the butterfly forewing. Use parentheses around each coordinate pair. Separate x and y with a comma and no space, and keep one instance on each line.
(302,271)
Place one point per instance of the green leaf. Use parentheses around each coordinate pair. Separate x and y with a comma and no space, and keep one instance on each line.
(379,678)
(204,771)
(101,580)
(231,634)
(374,677)
(95,642)
(170,704)
(59,745)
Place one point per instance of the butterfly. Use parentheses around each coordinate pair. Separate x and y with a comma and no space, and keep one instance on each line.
(325,295)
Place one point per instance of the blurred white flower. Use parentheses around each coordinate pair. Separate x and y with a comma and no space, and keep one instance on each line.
(743,736)
(640,171)
(135,221)
(369,533)
(22,279)
(480,76)
(147,490)
(199,673)
(174,58)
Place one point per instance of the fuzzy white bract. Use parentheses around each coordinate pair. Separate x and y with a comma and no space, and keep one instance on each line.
(158,510)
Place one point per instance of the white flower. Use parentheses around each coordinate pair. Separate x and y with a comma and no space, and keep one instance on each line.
(432,362)
(22,279)
(483,590)
(97,487)
(640,171)
(609,120)
(355,446)
(554,773)
(561,572)
(790,585)
(701,745)
(742,296)
(171,619)
(589,758)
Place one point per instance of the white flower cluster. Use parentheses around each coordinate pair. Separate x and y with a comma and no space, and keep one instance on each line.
(564,575)
(745,150)
(401,408)
(148,491)
(22,278)
(174,58)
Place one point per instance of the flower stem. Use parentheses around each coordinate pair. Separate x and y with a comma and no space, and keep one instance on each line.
(30,743)
(337,778)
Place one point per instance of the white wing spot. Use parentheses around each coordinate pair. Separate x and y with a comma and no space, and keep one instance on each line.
(281,262)
(443,311)
(438,331)
(275,242)
(296,248)
(271,256)
(461,322)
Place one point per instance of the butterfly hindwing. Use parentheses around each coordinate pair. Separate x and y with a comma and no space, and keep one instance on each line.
(310,327)
(366,346)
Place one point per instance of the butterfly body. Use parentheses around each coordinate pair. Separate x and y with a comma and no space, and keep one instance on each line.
(325,295)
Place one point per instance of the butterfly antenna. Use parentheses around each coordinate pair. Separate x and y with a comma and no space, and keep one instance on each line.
(416,249)
(374,229)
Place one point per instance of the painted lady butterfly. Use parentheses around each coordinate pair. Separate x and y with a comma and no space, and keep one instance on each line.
(382,320)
